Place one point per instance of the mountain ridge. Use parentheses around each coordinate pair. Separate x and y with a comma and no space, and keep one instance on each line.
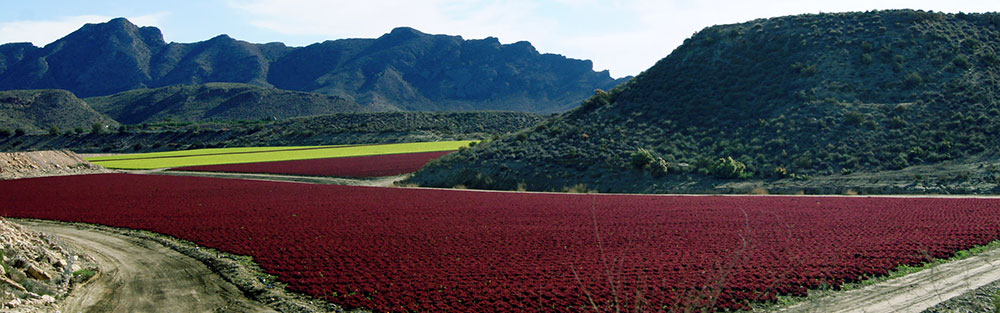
(404,68)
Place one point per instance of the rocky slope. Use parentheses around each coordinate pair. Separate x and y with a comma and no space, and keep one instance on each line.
(782,99)
(35,270)
(405,68)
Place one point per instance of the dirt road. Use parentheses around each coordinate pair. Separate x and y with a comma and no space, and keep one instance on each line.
(914,292)
(142,276)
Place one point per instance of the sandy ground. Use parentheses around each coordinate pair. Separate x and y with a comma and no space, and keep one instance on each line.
(141,276)
(914,292)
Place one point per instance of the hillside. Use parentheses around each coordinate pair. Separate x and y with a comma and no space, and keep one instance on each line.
(403,69)
(218,101)
(786,101)
(46,110)
(341,128)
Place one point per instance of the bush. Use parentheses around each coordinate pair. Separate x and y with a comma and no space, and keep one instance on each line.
(729,168)
(19,132)
(961,62)
(642,159)
(913,79)
(5,132)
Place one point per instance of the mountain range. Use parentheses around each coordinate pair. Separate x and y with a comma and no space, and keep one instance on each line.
(402,70)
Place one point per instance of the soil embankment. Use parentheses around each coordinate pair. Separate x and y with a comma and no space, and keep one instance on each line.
(14,165)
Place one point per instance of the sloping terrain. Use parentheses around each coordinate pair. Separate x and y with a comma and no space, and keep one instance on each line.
(37,269)
(218,101)
(783,98)
(45,110)
(403,69)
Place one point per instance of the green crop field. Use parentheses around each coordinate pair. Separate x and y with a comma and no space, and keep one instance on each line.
(195,152)
(267,154)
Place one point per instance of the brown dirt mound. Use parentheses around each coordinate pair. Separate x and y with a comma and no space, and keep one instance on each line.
(14,165)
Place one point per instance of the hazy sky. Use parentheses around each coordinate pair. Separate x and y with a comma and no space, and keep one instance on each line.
(623,36)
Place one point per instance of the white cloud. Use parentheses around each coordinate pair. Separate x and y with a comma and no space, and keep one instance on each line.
(625,36)
(41,33)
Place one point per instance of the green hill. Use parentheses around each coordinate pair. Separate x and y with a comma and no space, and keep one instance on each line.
(219,101)
(790,101)
(47,110)
(341,128)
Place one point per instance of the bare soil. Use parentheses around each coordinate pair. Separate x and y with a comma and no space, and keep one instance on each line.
(14,165)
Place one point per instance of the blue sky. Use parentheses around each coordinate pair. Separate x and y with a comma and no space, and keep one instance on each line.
(623,36)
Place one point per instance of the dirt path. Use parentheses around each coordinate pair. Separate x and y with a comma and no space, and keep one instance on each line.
(137,275)
(914,292)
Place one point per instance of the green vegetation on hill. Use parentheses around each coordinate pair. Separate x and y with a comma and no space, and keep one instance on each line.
(333,129)
(782,98)
(47,111)
(218,101)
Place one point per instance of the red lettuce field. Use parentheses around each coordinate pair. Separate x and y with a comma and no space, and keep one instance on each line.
(362,166)
(463,251)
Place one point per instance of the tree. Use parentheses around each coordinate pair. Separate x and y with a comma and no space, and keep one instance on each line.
(19,132)
(97,128)
(54,130)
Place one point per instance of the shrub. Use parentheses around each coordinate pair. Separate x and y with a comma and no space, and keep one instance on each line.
(5,132)
(642,159)
(729,168)
(961,62)
(19,132)
(913,79)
